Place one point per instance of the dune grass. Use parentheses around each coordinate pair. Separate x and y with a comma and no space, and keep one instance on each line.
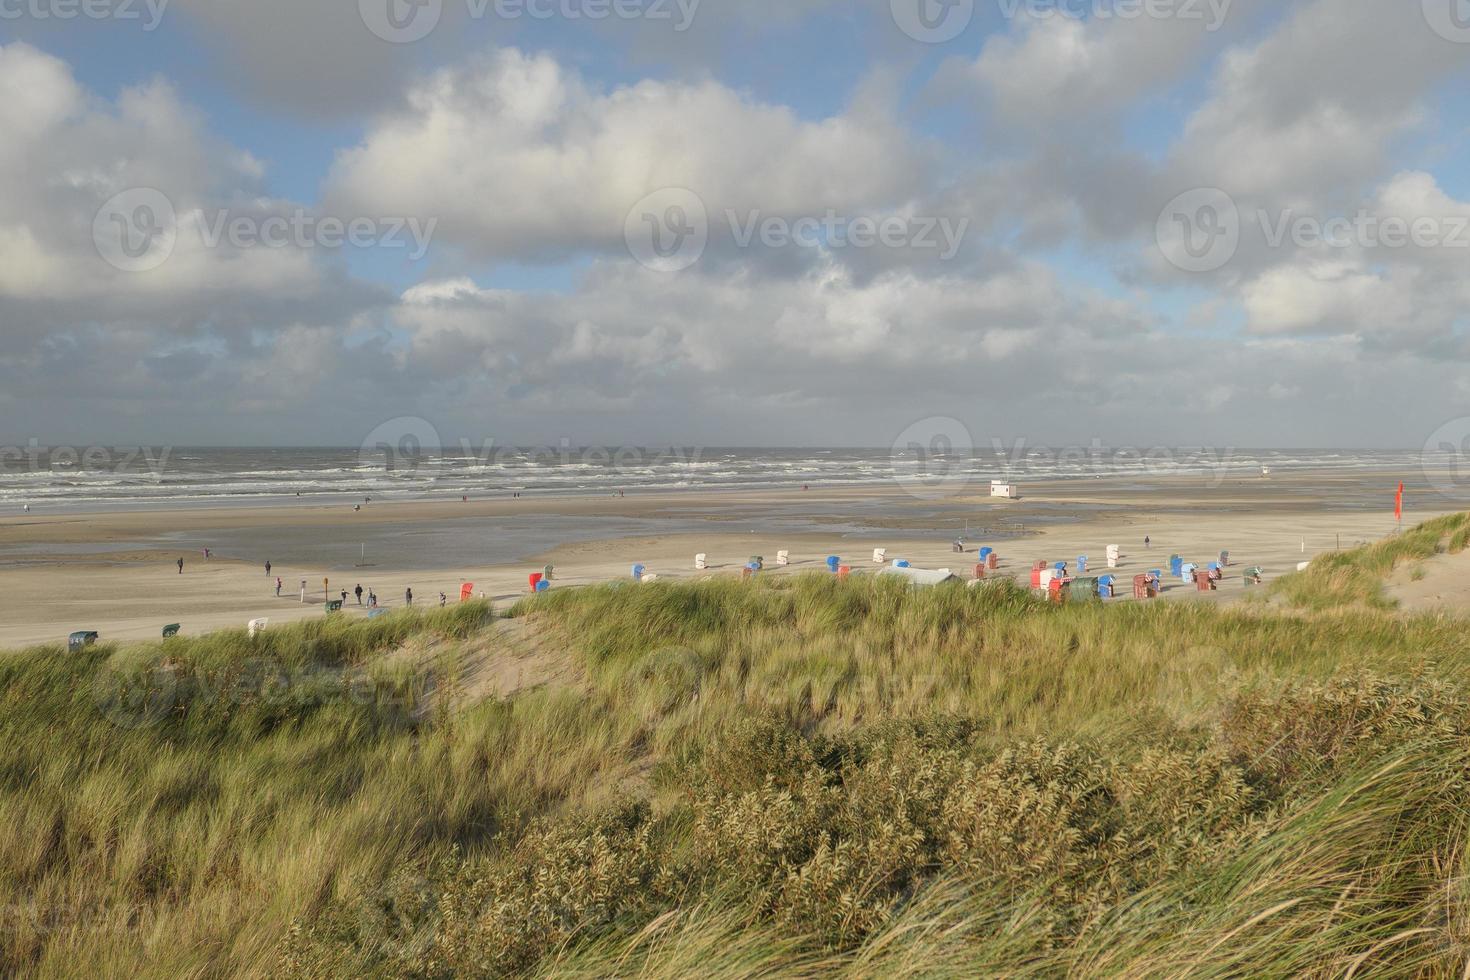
(1356,577)
(785,777)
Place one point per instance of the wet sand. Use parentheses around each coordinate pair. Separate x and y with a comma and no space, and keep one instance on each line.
(115,572)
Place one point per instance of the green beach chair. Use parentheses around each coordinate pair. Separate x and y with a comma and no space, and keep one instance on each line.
(171,631)
(334,606)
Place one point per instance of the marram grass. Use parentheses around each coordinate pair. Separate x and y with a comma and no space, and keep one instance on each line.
(798,777)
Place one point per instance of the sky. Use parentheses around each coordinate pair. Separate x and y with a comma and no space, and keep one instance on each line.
(735,222)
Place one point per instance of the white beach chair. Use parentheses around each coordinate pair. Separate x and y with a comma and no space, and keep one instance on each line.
(257,626)
(783,558)
(880,556)
(701,563)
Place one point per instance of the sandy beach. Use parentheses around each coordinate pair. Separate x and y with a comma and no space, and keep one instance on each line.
(116,573)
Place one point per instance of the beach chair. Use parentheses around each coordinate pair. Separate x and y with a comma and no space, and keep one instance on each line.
(334,606)
(1143,587)
(758,562)
(880,556)
(1082,564)
(1083,589)
(783,558)
(1106,586)
(172,630)
(980,571)
(1204,582)
(257,626)
(543,586)
(81,639)
(550,569)
(985,553)
(701,562)
(1056,590)
(992,561)
(1253,576)
(1224,559)
(833,563)
(638,571)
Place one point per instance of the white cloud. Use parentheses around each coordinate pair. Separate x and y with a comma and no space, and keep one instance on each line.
(519,157)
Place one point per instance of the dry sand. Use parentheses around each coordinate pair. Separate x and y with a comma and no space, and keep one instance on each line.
(108,572)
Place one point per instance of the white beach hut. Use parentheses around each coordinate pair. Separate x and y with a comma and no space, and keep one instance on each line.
(1004,490)
(921,576)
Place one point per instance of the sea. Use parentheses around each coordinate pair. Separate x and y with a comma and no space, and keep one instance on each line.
(127,477)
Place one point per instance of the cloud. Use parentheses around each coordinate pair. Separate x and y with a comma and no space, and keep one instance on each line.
(520,158)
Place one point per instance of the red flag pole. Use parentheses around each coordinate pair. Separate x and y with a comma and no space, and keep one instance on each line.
(1398,507)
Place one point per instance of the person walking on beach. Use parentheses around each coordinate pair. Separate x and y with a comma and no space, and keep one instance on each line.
(408,597)
(1147,544)
(372,599)
(344,597)
(443,600)
(279,583)
(358,592)
(267,569)
(181,566)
